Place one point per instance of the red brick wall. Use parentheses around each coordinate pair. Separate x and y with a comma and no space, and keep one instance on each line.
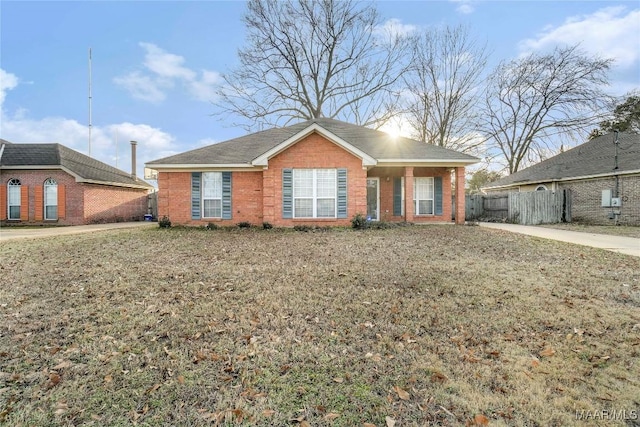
(103,203)
(74,203)
(246,197)
(174,198)
(314,152)
(386,192)
(256,197)
(83,203)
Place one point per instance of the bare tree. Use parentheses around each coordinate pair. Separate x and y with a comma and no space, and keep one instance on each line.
(306,59)
(534,102)
(442,88)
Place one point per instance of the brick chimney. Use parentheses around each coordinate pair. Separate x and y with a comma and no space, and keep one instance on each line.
(133,159)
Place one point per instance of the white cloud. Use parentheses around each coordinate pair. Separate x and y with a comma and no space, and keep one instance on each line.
(8,81)
(611,32)
(205,88)
(143,87)
(166,64)
(164,71)
(394,28)
(465,6)
(109,144)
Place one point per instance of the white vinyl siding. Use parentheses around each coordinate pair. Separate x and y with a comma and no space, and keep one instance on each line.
(314,193)
(13,199)
(423,196)
(212,194)
(50,199)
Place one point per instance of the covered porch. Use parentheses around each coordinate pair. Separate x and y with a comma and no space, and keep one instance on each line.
(417,194)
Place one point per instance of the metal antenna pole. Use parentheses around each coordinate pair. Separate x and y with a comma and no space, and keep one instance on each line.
(89,102)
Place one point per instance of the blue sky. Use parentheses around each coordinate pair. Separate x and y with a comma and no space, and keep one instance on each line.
(156,64)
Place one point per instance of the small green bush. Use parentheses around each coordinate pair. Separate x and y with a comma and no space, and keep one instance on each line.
(212,226)
(304,228)
(164,222)
(267,225)
(244,224)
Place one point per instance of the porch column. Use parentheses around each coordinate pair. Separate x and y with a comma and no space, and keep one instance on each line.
(408,194)
(460,214)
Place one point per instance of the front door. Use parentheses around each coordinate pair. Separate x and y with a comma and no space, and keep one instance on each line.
(373,199)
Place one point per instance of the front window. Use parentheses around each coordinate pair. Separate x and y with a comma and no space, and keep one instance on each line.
(423,196)
(13,198)
(50,199)
(314,193)
(212,195)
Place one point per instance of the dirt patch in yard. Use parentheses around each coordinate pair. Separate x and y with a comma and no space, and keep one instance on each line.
(437,324)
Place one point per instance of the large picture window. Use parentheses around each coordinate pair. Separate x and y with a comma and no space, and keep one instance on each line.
(50,199)
(423,196)
(212,194)
(314,193)
(13,198)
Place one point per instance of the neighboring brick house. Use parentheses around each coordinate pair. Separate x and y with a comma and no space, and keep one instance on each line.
(590,172)
(53,184)
(318,172)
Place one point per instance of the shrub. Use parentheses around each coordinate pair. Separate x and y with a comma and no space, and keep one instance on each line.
(212,226)
(267,226)
(305,228)
(164,222)
(359,222)
(244,224)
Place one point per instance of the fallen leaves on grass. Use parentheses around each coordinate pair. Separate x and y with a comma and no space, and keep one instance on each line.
(547,352)
(402,394)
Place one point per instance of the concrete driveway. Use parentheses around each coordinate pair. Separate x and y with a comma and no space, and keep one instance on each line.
(621,244)
(13,233)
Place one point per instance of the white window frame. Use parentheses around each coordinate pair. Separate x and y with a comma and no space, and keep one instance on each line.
(14,194)
(216,192)
(430,183)
(50,184)
(315,196)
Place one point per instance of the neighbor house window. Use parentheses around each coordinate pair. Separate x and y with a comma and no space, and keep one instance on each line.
(13,198)
(314,193)
(50,199)
(423,196)
(541,187)
(212,194)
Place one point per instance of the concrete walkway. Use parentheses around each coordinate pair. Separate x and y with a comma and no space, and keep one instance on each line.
(621,244)
(12,233)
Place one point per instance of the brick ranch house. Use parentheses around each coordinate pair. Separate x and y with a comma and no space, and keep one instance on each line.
(596,172)
(53,184)
(318,172)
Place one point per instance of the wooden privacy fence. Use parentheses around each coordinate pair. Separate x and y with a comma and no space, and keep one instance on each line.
(526,208)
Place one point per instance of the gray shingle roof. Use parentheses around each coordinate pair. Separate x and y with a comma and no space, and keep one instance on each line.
(52,155)
(595,157)
(376,144)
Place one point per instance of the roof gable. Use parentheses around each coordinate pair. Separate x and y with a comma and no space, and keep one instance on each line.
(263,159)
(593,158)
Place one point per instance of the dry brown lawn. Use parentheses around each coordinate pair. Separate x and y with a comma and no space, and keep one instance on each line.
(412,326)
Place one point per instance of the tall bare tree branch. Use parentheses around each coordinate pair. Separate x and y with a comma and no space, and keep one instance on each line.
(533,103)
(442,88)
(306,59)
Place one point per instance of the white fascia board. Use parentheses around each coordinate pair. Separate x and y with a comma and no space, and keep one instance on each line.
(571,178)
(425,162)
(200,167)
(263,159)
